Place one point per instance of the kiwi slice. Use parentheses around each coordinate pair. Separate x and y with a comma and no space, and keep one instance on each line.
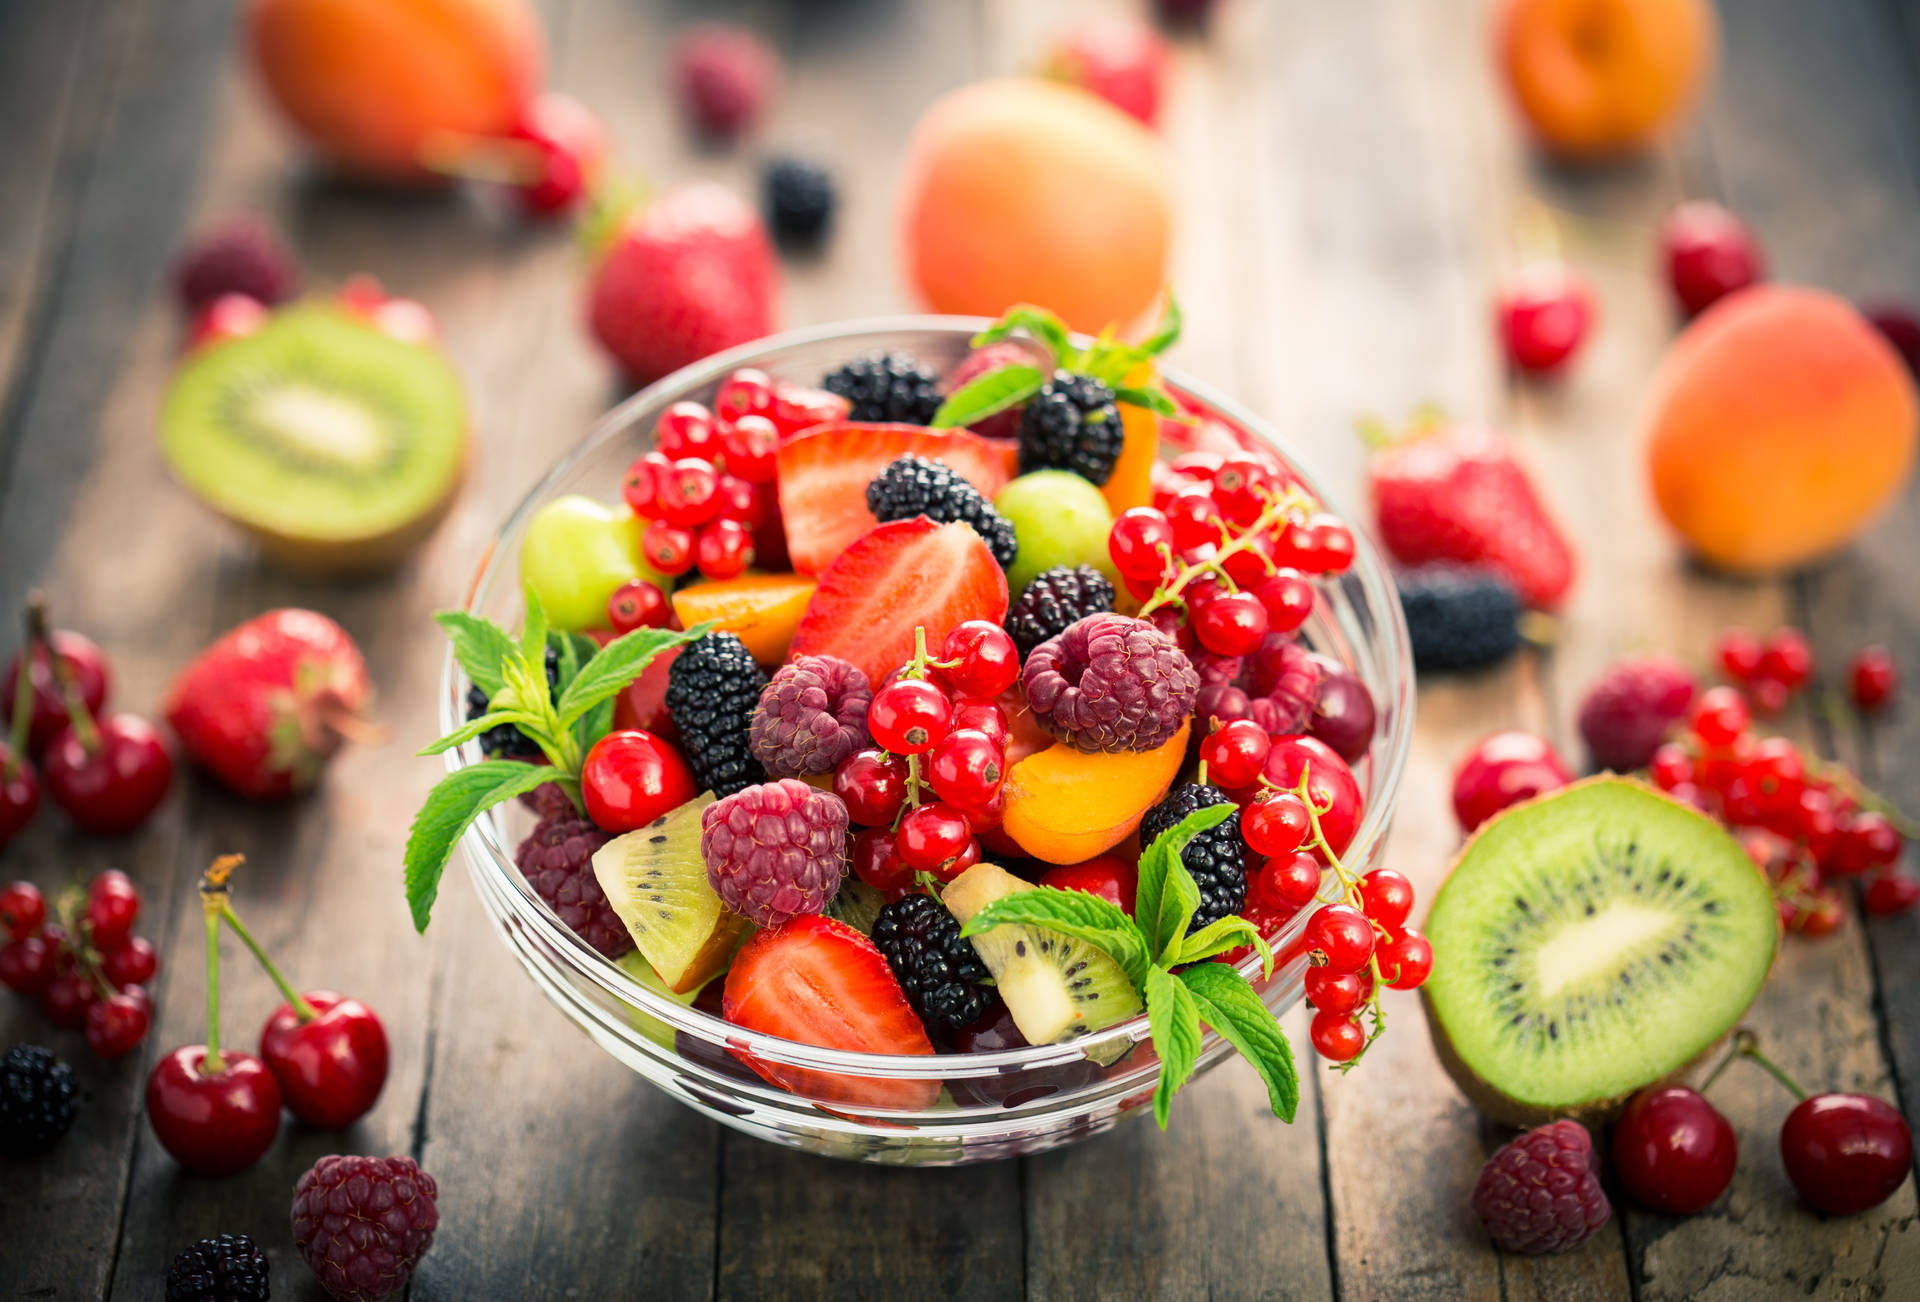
(635,964)
(856,904)
(1056,987)
(336,444)
(656,881)
(1589,943)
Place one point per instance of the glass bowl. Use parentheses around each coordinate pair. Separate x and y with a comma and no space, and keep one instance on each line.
(949,1108)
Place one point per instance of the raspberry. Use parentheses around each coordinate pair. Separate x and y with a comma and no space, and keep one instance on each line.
(363,1223)
(1055,599)
(1540,1193)
(914,486)
(1110,683)
(799,199)
(1217,857)
(1286,683)
(1629,712)
(775,851)
(36,1100)
(725,76)
(557,861)
(713,687)
(241,256)
(1459,616)
(890,387)
(811,716)
(938,969)
(230,1268)
(1072,424)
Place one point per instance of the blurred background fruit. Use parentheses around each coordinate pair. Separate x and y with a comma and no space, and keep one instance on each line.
(1122,61)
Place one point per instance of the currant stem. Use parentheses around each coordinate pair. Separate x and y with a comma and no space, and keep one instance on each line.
(1292,499)
(1317,840)
(40,635)
(302,1009)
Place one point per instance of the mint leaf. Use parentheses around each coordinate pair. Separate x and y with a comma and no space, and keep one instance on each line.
(1043,325)
(1230,1006)
(1072,913)
(618,663)
(1163,920)
(1111,362)
(1154,400)
(988,394)
(479,645)
(1172,320)
(469,730)
(1173,1017)
(533,636)
(1221,935)
(450,808)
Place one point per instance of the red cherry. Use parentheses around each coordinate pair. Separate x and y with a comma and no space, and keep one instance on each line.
(1336,1036)
(331,1066)
(213,1123)
(66,999)
(1288,599)
(965,769)
(686,430)
(687,493)
(1504,770)
(909,716)
(1787,659)
(22,909)
(984,661)
(1544,311)
(1872,678)
(747,392)
(1845,1152)
(1111,877)
(112,906)
(1277,825)
(1335,992)
(1343,934)
(1708,253)
(723,548)
(667,547)
(135,963)
(569,144)
(877,862)
(117,1024)
(88,666)
(27,965)
(873,786)
(638,604)
(932,837)
(1406,961)
(1887,894)
(1335,793)
(1387,897)
(1139,542)
(113,788)
(1288,882)
(1738,652)
(19,794)
(1673,1150)
(1234,753)
(1231,624)
(630,778)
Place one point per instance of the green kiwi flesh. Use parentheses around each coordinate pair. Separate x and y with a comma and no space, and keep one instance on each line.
(856,904)
(1591,942)
(325,436)
(656,881)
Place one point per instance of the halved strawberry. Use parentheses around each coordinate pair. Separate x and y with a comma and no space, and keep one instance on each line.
(823,477)
(820,982)
(901,575)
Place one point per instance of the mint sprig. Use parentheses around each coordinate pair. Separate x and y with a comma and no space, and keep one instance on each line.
(1168,966)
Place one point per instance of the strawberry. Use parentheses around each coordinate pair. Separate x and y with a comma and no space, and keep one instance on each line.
(900,576)
(1121,60)
(686,275)
(267,705)
(642,703)
(818,981)
(1457,494)
(823,477)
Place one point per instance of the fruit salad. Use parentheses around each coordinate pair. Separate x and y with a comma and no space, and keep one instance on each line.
(923,713)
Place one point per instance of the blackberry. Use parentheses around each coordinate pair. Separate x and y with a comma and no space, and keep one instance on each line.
(1459,617)
(799,199)
(1072,424)
(1055,599)
(36,1100)
(1217,857)
(938,969)
(914,486)
(507,741)
(230,1268)
(712,689)
(889,387)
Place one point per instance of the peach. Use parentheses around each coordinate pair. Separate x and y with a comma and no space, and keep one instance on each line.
(377,85)
(1603,77)
(1066,806)
(1029,191)
(762,610)
(1778,424)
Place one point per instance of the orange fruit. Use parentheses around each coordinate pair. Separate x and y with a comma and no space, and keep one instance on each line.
(762,610)
(1066,806)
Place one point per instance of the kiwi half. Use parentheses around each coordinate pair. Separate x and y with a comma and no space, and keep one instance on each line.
(337,445)
(1588,943)
(656,881)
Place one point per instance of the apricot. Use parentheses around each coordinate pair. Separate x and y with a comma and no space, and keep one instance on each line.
(1602,77)
(762,610)
(376,85)
(1028,191)
(1066,806)
(1131,483)
(1778,424)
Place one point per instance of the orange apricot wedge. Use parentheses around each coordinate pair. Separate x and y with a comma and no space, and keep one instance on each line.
(1066,806)
(762,610)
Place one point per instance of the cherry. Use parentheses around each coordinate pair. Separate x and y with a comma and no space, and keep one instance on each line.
(932,838)
(877,862)
(1343,935)
(686,430)
(1887,894)
(1386,897)
(1845,1152)
(19,792)
(22,909)
(86,665)
(1719,717)
(1406,961)
(638,604)
(112,905)
(965,769)
(1504,770)
(1331,785)
(134,963)
(667,547)
(1544,311)
(1708,253)
(723,548)
(1139,542)
(909,716)
(1673,1150)
(117,1024)
(686,493)
(1738,652)
(27,964)
(1343,714)
(108,776)
(1335,992)
(1109,876)
(329,1055)
(1872,679)
(1234,753)
(1276,826)
(630,778)
(1289,882)
(873,786)
(214,1113)
(569,144)
(979,659)
(1336,1036)
(1787,659)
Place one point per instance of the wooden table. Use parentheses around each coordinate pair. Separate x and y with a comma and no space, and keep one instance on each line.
(1352,185)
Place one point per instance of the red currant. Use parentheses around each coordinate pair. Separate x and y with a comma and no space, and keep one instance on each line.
(1865,841)
(1406,961)
(1335,992)
(1890,893)
(877,862)
(1543,312)
(686,430)
(1336,1036)
(1288,599)
(873,785)
(1387,897)
(932,837)
(135,963)
(747,392)
(723,548)
(1822,915)
(688,493)
(1670,766)
(1673,1150)
(989,814)
(1787,660)
(1872,678)
(22,909)
(66,999)
(1276,826)
(637,604)
(796,408)
(112,906)
(667,547)
(981,659)
(1709,253)
(1504,770)
(1231,624)
(1738,652)
(1814,824)
(27,964)
(1139,542)
(1343,934)
(965,769)
(641,484)
(751,443)
(1329,546)
(742,501)
(630,778)
(1768,696)
(982,716)
(1234,753)
(1243,487)
(1776,768)
(1330,785)
(1194,517)
(1719,716)
(1287,882)
(909,716)
(1198,464)
(117,1024)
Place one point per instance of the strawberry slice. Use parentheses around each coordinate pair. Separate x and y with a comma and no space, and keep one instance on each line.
(823,477)
(820,982)
(899,576)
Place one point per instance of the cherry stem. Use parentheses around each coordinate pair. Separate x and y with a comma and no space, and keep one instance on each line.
(1747,1045)
(41,636)
(302,1009)
(213,1064)
(22,709)
(465,156)
(1275,512)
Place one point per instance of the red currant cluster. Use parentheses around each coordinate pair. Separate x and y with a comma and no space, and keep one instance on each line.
(706,490)
(1770,673)
(87,969)
(939,730)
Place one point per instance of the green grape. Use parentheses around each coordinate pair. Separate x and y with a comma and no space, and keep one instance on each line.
(575,553)
(1059,519)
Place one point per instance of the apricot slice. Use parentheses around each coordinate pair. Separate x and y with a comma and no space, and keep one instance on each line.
(1066,806)
(762,610)
(1131,483)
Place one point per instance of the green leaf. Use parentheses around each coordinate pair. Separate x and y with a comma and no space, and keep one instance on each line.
(618,663)
(1173,1018)
(988,394)
(1072,913)
(468,731)
(1221,935)
(450,808)
(533,636)
(1043,325)
(1230,1006)
(1165,920)
(1171,322)
(1154,400)
(479,645)
(1112,363)
(593,725)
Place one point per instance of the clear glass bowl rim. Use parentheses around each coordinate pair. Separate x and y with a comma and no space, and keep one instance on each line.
(489,852)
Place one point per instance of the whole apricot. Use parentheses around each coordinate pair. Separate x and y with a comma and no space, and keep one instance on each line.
(1778,424)
(1030,191)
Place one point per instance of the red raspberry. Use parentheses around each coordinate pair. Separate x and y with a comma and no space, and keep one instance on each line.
(557,861)
(243,256)
(1633,707)
(1541,1193)
(1110,683)
(725,76)
(363,1223)
(775,851)
(810,717)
